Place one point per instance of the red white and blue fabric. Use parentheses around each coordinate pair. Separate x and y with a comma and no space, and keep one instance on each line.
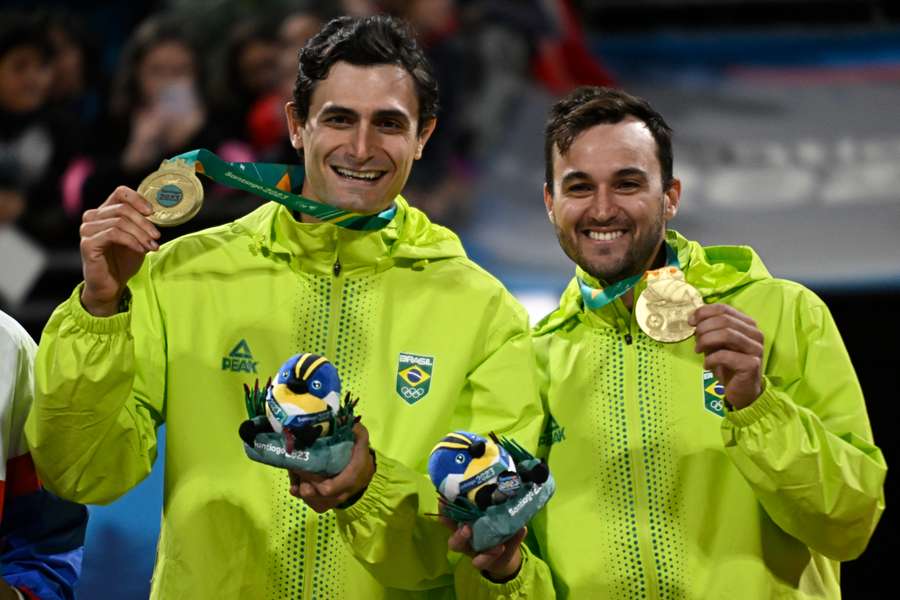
(41,536)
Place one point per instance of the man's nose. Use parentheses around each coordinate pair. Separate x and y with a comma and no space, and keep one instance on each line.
(363,141)
(603,206)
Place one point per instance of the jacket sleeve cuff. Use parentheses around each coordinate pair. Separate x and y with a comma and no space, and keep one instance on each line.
(477,586)
(99,325)
(769,403)
(374,495)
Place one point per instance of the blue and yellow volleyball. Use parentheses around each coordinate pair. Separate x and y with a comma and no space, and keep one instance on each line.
(463,463)
(306,391)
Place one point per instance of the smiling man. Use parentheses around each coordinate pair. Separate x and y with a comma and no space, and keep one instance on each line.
(170,336)
(706,429)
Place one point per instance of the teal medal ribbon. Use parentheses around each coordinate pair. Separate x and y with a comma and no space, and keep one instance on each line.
(275,182)
(597,298)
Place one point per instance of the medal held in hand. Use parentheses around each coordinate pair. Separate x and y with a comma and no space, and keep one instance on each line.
(298,421)
(663,309)
(493,484)
(174,192)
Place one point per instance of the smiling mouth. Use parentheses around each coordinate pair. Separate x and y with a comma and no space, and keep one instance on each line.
(605,236)
(354,175)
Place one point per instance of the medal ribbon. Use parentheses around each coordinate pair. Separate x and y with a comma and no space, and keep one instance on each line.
(274,182)
(597,298)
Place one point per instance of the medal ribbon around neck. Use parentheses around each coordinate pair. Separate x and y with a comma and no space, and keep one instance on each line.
(597,298)
(274,182)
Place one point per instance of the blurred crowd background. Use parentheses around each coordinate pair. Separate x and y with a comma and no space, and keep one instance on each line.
(787,137)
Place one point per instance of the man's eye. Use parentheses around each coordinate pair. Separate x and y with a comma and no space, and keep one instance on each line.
(629,185)
(391,125)
(579,188)
(338,120)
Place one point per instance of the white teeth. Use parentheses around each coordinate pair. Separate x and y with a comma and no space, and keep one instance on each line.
(364,175)
(605,236)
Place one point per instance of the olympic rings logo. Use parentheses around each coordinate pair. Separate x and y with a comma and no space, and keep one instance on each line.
(716,405)
(412,393)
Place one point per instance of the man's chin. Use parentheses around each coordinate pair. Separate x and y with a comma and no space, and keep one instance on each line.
(361,204)
(609,274)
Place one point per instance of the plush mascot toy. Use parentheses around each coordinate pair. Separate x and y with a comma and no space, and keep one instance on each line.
(299,422)
(495,485)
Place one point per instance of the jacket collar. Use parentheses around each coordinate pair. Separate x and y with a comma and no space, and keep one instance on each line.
(409,237)
(713,270)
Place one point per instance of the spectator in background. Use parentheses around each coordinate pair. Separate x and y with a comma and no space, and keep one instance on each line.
(360,8)
(157,110)
(41,536)
(440,185)
(268,133)
(247,72)
(76,69)
(12,191)
(33,137)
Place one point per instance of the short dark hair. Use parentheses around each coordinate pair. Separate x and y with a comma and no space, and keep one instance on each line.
(19,29)
(365,41)
(590,105)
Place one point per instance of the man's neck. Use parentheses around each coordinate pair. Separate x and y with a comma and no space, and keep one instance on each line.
(659,260)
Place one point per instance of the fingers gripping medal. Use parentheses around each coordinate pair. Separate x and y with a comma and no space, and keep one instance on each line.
(493,484)
(174,192)
(664,308)
(299,421)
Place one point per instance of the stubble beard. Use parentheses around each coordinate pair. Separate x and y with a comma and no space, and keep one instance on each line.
(640,253)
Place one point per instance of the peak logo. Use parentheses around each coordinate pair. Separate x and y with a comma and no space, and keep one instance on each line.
(240,359)
(552,434)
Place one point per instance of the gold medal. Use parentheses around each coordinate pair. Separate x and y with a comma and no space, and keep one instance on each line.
(174,192)
(662,311)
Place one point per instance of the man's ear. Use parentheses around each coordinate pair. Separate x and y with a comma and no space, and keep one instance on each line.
(427,130)
(548,203)
(294,126)
(672,198)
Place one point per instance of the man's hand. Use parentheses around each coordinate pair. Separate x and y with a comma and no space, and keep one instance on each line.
(114,239)
(500,563)
(322,494)
(733,346)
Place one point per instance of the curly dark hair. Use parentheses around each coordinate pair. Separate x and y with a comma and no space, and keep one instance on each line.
(587,106)
(364,41)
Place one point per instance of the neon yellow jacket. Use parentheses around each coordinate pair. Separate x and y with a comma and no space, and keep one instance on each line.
(217,309)
(660,493)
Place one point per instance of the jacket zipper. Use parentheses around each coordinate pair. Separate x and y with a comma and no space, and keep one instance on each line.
(334,318)
(638,471)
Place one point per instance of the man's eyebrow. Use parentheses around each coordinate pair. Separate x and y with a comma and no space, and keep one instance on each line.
(384,113)
(335,109)
(392,113)
(631,171)
(574,176)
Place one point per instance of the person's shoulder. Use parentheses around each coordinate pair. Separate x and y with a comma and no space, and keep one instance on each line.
(776,300)
(13,336)
(786,289)
(220,238)
(432,243)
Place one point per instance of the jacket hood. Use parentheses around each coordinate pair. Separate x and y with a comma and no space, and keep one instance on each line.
(714,270)
(410,236)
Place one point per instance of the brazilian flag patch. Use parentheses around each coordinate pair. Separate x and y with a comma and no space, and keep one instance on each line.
(414,373)
(713,394)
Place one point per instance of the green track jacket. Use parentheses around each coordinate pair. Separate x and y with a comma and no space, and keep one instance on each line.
(661,493)
(220,308)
